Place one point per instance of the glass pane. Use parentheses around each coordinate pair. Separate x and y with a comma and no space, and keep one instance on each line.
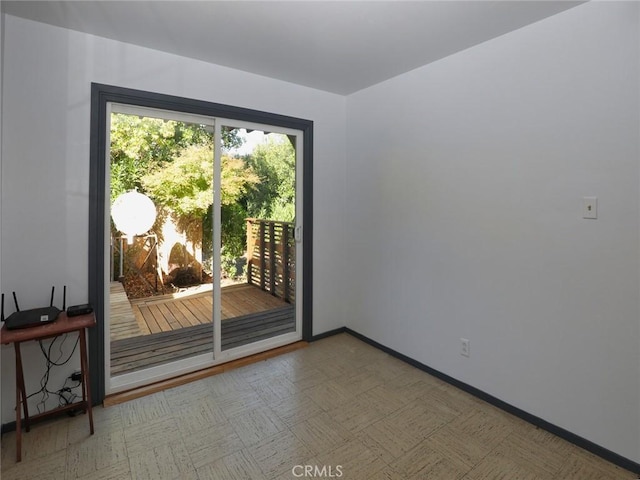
(161,275)
(258,190)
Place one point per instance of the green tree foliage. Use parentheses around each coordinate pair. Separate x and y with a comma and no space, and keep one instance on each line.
(139,145)
(185,186)
(274,197)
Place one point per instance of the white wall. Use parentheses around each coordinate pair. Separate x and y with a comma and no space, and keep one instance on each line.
(465,180)
(45,181)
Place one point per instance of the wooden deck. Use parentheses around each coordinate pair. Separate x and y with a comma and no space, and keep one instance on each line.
(155,330)
(146,351)
(165,313)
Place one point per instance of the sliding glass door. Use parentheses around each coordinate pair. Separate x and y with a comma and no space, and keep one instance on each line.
(203,241)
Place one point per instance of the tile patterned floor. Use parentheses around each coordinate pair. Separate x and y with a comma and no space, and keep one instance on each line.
(339,404)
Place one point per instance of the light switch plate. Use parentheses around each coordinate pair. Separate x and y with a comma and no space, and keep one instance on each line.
(590,207)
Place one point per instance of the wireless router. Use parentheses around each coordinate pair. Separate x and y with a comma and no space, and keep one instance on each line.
(34,316)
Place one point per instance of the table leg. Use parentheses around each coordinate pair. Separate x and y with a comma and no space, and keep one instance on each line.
(21,402)
(86,388)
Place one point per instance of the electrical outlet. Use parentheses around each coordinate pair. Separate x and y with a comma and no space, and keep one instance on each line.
(76,376)
(464,347)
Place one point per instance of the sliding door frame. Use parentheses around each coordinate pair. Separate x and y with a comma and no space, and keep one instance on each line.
(101,96)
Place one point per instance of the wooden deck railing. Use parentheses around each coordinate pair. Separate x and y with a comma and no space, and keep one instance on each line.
(271,257)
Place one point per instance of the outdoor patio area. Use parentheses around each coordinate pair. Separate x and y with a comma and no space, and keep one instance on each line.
(155,330)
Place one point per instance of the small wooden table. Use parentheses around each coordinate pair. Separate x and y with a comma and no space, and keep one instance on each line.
(63,324)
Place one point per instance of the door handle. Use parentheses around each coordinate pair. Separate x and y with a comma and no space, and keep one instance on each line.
(297,234)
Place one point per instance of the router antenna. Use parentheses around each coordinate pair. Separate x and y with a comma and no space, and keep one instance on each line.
(2,314)
(64,297)
(15,300)
(53,289)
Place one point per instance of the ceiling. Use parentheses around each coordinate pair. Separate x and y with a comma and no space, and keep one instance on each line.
(336,46)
